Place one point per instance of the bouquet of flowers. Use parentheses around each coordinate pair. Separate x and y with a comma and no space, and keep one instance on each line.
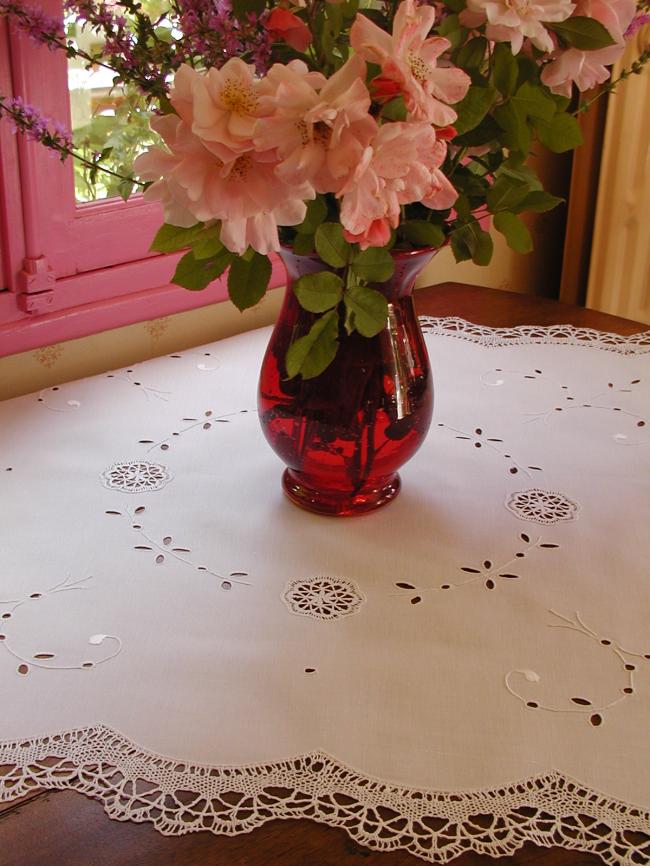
(343,129)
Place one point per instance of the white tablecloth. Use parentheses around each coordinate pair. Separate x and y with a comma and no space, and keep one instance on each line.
(182,642)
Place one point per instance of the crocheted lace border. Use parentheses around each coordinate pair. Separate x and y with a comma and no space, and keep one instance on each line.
(177,797)
(568,335)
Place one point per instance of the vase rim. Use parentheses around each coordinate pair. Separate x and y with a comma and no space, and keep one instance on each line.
(398,254)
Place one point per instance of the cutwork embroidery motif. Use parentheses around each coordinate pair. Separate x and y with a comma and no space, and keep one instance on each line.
(43,659)
(581,704)
(205,423)
(480,440)
(167,548)
(324,598)
(569,402)
(136,476)
(488,572)
(541,506)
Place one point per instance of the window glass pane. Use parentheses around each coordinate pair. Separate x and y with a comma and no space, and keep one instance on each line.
(106,119)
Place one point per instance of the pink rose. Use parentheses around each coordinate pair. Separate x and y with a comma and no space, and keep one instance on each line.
(286,27)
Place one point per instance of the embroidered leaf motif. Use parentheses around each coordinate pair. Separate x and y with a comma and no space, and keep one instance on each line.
(43,656)
(582,702)
(160,559)
(416,599)
(405,585)
(596,720)
(549,545)
(525,537)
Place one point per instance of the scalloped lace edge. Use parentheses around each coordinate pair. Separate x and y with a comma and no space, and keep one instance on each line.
(568,335)
(177,797)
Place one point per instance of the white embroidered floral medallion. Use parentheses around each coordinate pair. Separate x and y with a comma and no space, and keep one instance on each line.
(136,476)
(323,597)
(541,506)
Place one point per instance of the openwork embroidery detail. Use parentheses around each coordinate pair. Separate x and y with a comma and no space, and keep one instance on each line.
(207,422)
(205,366)
(489,573)
(480,439)
(45,659)
(167,549)
(49,398)
(323,597)
(636,344)
(136,476)
(541,506)
(177,798)
(131,377)
(568,401)
(580,704)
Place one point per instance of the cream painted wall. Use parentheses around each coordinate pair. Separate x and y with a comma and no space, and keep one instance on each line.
(110,350)
(537,273)
(619,274)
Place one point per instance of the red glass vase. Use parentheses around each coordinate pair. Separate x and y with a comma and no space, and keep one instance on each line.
(344,434)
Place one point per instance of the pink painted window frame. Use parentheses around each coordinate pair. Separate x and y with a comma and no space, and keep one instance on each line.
(72,270)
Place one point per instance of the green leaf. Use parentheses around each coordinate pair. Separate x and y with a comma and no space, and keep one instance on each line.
(125,188)
(316,214)
(208,244)
(318,292)
(480,244)
(451,29)
(331,246)
(515,169)
(374,265)
(368,307)
(459,244)
(196,275)
(561,134)
(473,107)
(422,233)
(506,194)
(395,109)
(531,100)
(248,280)
(472,54)
(463,207)
(303,245)
(538,201)
(516,135)
(170,239)
(487,130)
(313,353)
(587,34)
(515,232)
(504,69)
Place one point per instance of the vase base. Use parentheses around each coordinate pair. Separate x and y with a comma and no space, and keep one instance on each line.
(340,503)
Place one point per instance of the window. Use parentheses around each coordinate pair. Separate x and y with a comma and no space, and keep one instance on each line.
(75,258)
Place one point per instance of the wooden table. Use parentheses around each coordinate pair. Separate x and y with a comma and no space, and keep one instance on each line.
(63,828)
